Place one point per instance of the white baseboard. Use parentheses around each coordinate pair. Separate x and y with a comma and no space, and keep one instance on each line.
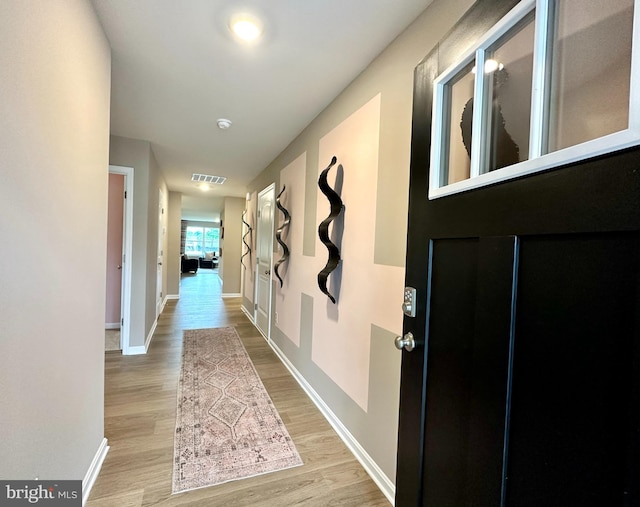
(387,487)
(172,296)
(141,349)
(135,351)
(112,325)
(231,294)
(249,315)
(94,469)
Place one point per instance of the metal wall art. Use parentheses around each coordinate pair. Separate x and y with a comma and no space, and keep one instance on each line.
(323,230)
(244,240)
(285,225)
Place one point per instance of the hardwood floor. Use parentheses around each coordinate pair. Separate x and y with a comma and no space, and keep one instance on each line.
(140,405)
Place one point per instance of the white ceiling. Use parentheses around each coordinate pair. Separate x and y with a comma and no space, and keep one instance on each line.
(176,69)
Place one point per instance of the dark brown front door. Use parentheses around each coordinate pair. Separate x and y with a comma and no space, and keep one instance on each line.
(524,387)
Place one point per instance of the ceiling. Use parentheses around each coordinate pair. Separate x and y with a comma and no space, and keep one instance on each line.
(176,69)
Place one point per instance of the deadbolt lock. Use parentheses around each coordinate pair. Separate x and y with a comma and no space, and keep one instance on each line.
(409,303)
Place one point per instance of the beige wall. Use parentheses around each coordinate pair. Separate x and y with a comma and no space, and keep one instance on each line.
(54,126)
(147,180)
(369,413)
(231,246)
(172,259)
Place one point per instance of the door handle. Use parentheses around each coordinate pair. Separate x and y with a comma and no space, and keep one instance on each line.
(405,342)
(119,266)
(267,272)
(159,263)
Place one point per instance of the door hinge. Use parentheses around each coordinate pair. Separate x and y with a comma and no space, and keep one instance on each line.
(125,194)
(122,322)
(259,213)
(255,307)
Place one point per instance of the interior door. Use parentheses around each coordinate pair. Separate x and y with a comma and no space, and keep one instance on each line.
(264,259)
(523,389)
(115,251)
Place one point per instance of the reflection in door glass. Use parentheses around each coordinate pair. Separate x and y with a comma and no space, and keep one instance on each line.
(460,94)
(590,72)
(509,71)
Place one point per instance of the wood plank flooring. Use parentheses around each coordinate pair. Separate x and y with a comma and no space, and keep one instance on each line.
(140,409)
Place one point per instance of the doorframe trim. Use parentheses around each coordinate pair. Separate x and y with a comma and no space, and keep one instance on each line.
(127,248)
(269,188)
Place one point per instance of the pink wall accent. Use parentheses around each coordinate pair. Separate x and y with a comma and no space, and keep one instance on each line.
(341,332)
(114,247)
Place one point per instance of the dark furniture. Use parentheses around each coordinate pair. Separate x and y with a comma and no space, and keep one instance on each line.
(208,263)
(189,265)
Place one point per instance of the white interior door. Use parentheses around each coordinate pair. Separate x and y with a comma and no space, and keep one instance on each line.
(160,252)
(264,257)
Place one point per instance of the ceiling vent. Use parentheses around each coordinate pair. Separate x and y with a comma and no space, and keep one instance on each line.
(205,178)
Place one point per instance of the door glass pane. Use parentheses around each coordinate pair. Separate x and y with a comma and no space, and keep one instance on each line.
(590,71)
(458,149)
(509,71)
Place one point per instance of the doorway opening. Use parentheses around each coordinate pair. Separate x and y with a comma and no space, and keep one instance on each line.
(119,255)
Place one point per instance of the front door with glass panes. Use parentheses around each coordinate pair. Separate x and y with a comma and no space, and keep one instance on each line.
(523,388)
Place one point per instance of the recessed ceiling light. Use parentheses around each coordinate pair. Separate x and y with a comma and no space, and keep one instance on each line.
(246,27)
(223,123)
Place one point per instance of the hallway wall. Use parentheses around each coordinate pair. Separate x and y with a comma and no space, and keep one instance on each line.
(54,155)
(173,244)
(147,180)
(231,244)
(344,352)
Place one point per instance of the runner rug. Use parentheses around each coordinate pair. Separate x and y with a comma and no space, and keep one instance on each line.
(226,425)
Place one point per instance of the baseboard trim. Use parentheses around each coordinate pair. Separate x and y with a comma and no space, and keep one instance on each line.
(112,325)
(387,487)
(94,469)
(135,351)
(147,342)
(141,349)
(231,294)
(249,316)
(173,296)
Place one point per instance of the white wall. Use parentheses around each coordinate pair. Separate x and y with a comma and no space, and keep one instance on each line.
(54,135)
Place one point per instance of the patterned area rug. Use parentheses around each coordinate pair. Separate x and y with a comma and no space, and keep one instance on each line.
(226,425)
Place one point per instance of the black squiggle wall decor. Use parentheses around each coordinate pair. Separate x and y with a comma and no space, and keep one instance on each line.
(285,224)
(323,230)
(244,240)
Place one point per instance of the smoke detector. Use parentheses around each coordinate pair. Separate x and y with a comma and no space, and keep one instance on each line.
(223,123)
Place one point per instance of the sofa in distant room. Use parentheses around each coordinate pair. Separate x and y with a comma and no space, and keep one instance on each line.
(209,261)
(188,265)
